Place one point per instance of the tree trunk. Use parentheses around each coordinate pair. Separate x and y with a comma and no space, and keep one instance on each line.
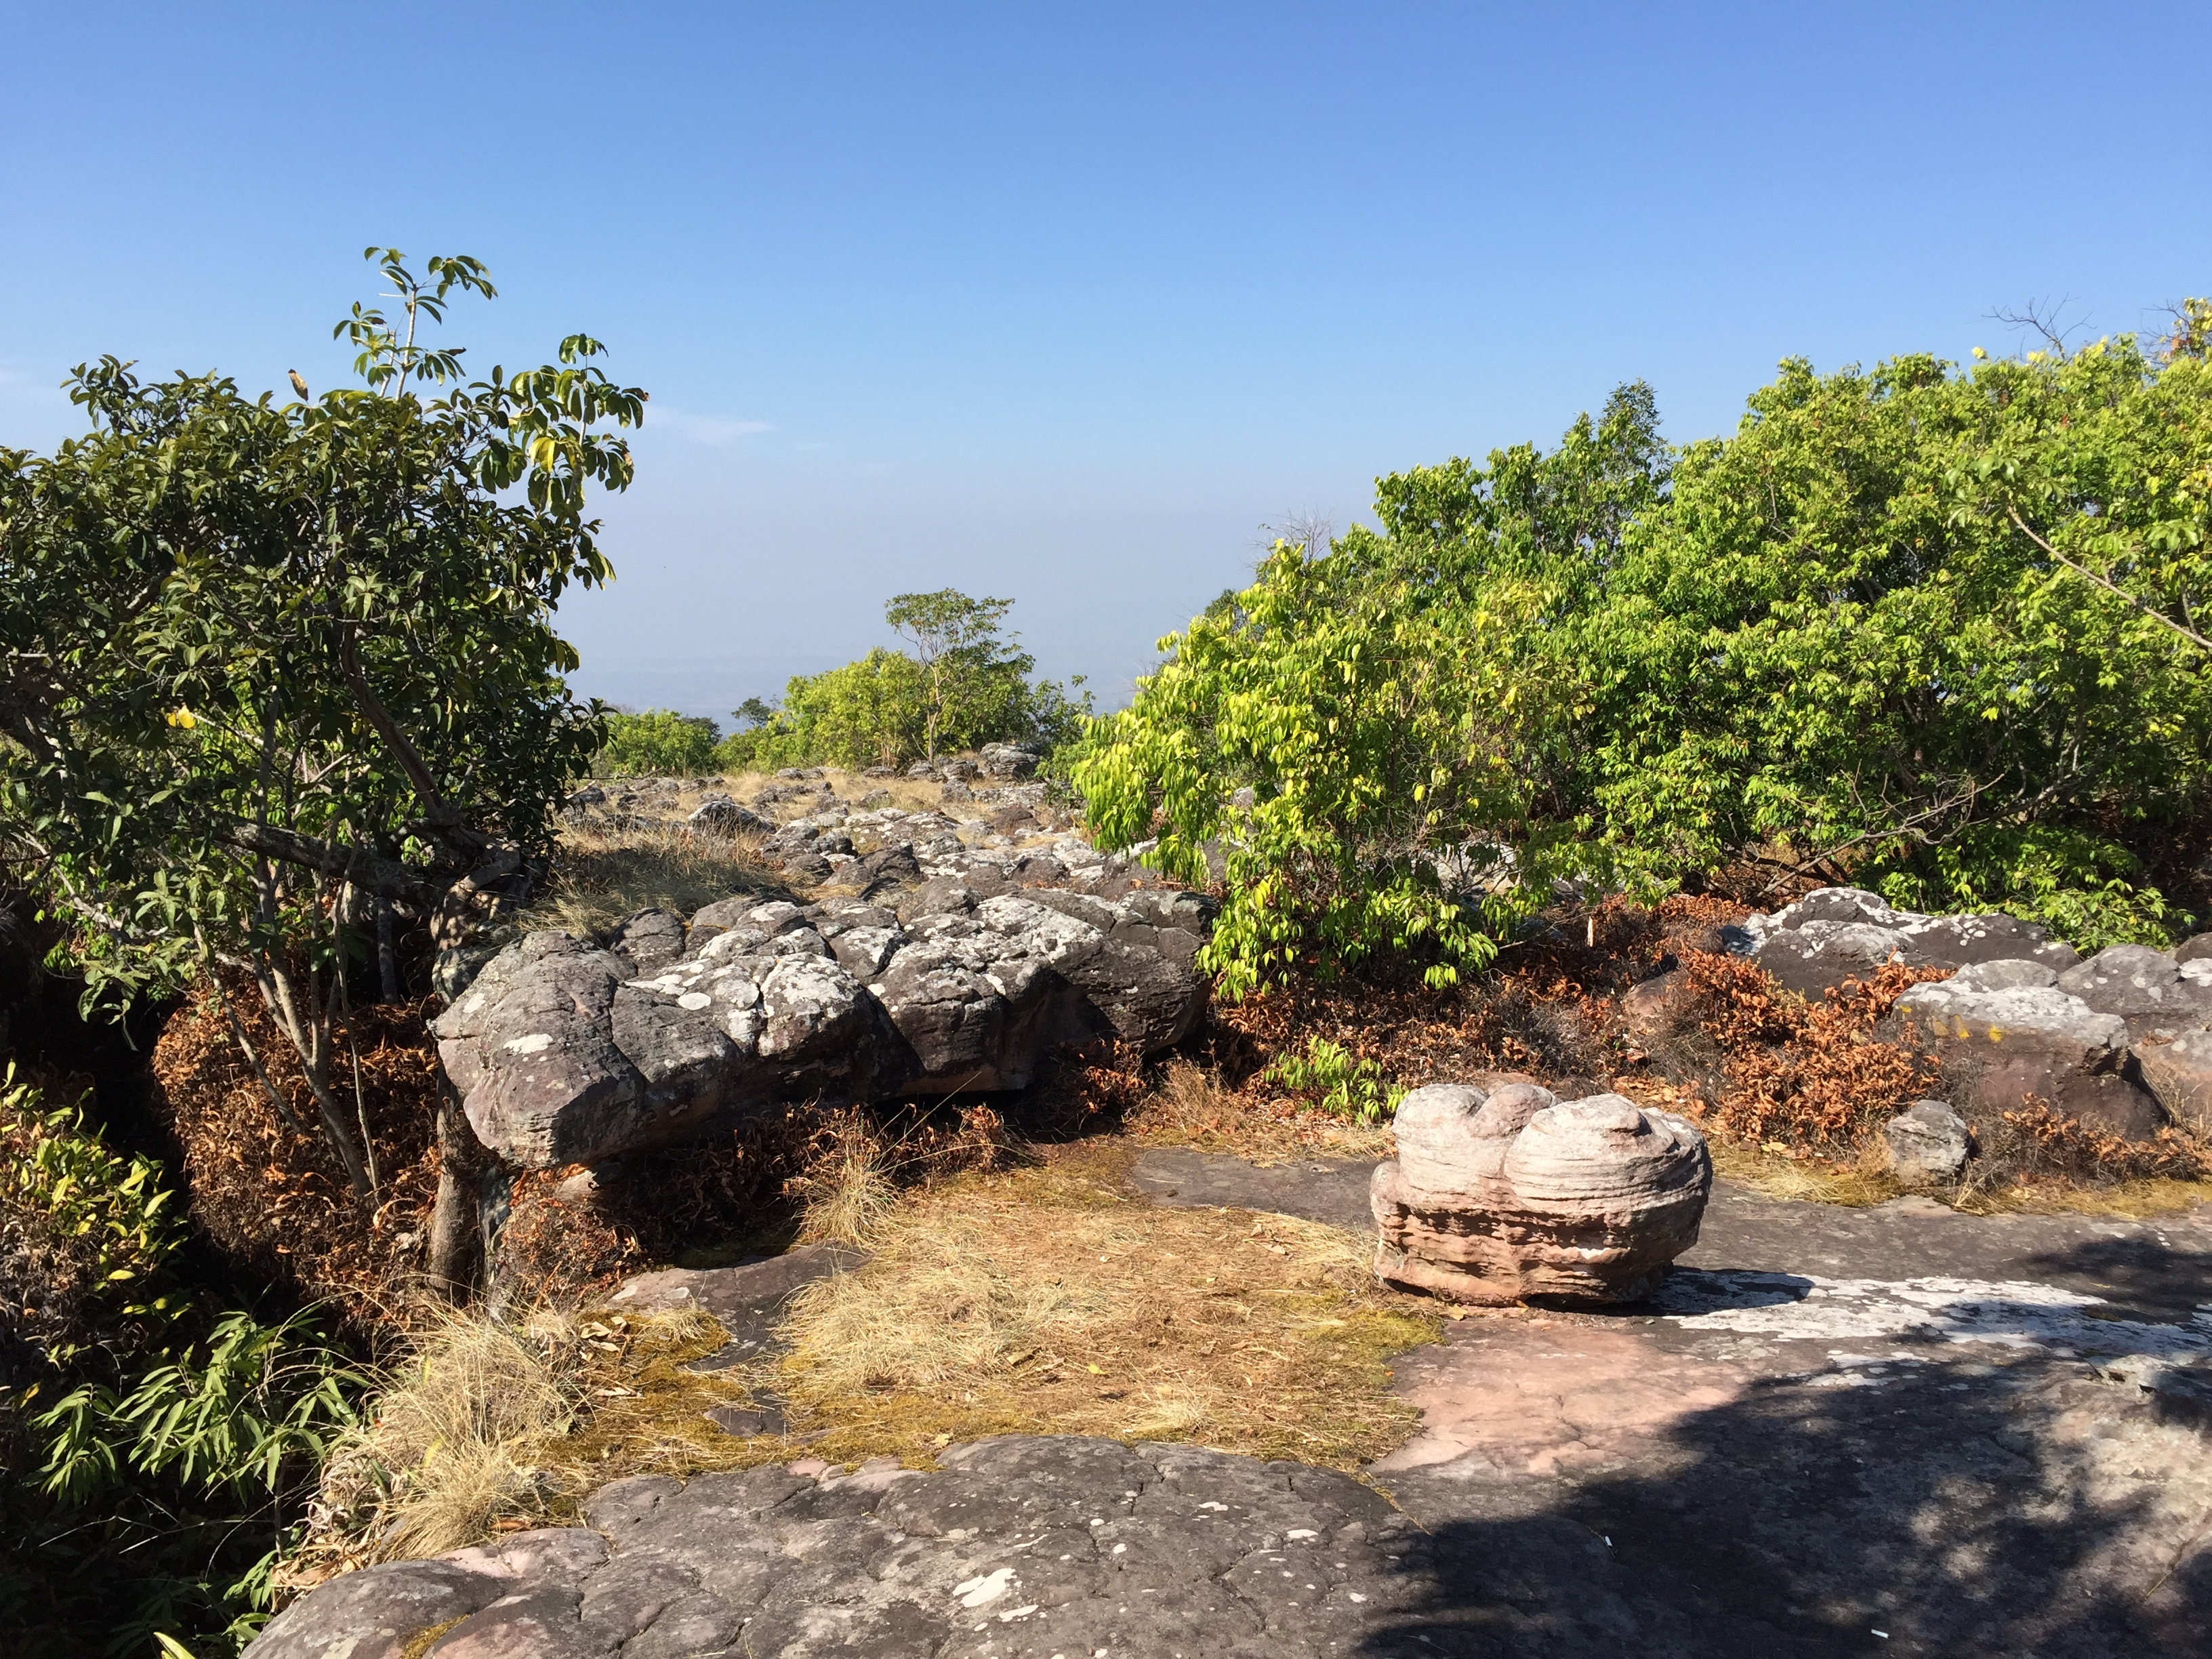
(453,1214)
(388,953)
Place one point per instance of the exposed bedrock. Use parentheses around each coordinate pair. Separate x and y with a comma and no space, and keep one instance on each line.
(2116,1041)
(565,1052)
(1497,1195)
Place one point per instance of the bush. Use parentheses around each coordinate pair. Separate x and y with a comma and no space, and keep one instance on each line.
(1925,630)
(157,1449)
(965,686)
(658,743)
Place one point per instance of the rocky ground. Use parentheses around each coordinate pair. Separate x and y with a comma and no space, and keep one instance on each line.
(1898,1430)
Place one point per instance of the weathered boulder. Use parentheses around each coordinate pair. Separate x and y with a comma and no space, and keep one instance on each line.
(649,940)
(721,815)
(1019,1544)
(1007,762)
(1835,933)
(2179,1075)
(1497,1195)
(2005,1032)
(570,1054)
(1927,1142)
(2147,988)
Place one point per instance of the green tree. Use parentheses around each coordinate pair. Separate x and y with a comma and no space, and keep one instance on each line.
(658,741)
(965,685)
(1374,737)
(263,666)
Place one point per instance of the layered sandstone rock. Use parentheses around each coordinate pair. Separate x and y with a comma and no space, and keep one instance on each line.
(1497,1195)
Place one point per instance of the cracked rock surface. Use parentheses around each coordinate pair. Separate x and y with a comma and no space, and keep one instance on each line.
(1014,1547)
(934,961)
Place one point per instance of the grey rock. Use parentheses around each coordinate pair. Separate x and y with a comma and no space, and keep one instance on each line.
(1835,933)
(1005,760)
(1017,1546)
(1928,1142)
(2015,975)
(530,1047)
(2046,1018)
(721,815)
(372,1613)
(2142,986)
(2179,1076)
(649,940)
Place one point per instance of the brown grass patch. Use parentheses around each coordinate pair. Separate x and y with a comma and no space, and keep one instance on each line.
(484,1426)
(2035,1159)
(601,877)
(1045,1301)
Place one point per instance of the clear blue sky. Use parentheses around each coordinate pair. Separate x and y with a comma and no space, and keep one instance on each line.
(1061,303)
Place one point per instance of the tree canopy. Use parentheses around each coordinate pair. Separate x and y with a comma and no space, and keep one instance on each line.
(1929,629)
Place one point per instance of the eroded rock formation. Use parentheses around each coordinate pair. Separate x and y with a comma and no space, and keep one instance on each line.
(1497,1195)
(927,963)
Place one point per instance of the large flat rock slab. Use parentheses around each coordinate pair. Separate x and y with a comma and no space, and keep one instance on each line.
(1330,1189)
(1013,1548)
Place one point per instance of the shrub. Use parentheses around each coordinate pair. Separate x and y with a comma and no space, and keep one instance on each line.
(1926,630)
(1336,1081)
(658,742)
(157,1449)
(964,686)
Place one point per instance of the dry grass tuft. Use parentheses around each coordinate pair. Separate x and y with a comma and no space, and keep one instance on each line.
(848,1191)
(1193,1106)
(1045,1301)
(485,1426)
(601,877)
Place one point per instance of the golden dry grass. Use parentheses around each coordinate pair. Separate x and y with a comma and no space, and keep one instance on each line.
(1191,1107)
(848,1194)
(600,879)
(486,1424)
(1045,1301)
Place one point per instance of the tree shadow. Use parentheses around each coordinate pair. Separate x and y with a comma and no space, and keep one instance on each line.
(1935,1506)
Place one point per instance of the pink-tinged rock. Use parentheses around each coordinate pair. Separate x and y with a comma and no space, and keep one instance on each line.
(1498,1196)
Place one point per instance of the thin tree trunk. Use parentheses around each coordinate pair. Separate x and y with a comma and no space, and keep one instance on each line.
(452,1216)
(310,1037)
(388,953)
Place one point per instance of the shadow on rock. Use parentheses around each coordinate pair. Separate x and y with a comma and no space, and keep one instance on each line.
(1928,1505)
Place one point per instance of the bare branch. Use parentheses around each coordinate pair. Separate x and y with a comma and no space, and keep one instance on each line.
(2110,586)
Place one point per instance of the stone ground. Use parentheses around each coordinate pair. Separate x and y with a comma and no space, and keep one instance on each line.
(1838,1431)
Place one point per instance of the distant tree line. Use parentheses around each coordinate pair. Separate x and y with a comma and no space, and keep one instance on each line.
(961,684)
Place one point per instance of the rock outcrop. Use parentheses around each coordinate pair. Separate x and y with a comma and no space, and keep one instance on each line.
(1017,1544)
(1497,1195)
(1836,933)
(926,964)
(2110,1040)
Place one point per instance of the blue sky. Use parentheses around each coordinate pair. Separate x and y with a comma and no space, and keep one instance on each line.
(1061,303)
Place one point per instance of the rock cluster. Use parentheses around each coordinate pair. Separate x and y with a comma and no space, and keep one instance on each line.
(929,962)
(2118,1040)
(1017,1546)
(1499,1195)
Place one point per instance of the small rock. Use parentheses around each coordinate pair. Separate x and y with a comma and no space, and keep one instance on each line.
(1928,1142)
